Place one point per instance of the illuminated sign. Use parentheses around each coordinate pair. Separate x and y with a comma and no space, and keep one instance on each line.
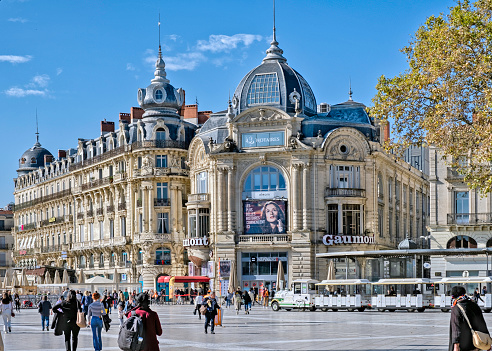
(263,139)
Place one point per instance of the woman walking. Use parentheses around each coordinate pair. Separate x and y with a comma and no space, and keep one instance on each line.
(69,308)
(17,302)
(95,313)
(7,308)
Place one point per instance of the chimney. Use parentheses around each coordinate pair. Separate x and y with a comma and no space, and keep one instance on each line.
(107,126)
(191,111)
(136,113)
(62,154)
(125,117)
(386,128)
(48,159)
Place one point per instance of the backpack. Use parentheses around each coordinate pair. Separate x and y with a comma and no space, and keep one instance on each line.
(130,337)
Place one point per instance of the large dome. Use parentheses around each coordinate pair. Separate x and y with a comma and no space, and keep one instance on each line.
(274,83)
(32,159)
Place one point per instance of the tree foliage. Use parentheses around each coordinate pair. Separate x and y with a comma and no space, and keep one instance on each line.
(444,98)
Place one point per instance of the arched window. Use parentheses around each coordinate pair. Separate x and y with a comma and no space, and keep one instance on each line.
(160,134)
(264,89)
(33,160)
(461,242)
(140,257)
(82,261)
(124,257)
(91,261)
(265,178)
(162,256)
(158,95)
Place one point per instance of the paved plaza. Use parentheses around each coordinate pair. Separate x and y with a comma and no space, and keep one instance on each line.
(263,329)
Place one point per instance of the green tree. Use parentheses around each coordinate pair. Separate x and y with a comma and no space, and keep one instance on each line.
(444,98)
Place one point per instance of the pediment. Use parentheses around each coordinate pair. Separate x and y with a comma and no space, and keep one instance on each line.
(262,114)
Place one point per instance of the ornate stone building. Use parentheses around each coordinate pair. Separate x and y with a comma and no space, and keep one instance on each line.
(113,206)
(274,180)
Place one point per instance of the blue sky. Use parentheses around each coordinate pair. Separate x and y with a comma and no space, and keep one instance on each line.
(79,62)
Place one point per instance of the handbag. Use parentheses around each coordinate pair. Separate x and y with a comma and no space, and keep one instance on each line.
(12,314)
(203,309)
(81,320)
(481,340)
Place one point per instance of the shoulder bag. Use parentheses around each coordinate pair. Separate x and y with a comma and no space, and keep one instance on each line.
(80,318)
(481,340)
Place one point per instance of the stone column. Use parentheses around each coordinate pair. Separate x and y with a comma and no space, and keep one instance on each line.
(295,205)
(305,192)
(230,199)
(131,210)
(220,198)
(144,213)
(174,208)
(179,194)
(150,208)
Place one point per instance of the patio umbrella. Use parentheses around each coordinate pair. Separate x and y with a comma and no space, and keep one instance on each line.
(81,277)
(331,275)
(280,276)
(57,279)
(233,283)
(15,282)
(24,281)
(65,279)
(47,278)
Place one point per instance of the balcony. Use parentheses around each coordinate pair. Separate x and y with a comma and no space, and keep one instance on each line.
(162,202)
(159,144)
(91,265)
(101,264)
(122,206)
(41,199)
(139,262)
(24,227)
(125,264)
(162,262)
(263,238)
(469,218)
(55,248)
(81,266)
(344,192)
(52,221)
(452,174)
(99,158)
(198,198)
(97,183)
(158,238)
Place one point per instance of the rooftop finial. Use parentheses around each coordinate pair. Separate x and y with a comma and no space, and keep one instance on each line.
(160,71)
(274,30)
(160,53)
(350,89)
(274,53)
(37,130)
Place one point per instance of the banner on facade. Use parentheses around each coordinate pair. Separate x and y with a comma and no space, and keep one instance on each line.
(265,217)
(225,268)
(191,269)
(211,269)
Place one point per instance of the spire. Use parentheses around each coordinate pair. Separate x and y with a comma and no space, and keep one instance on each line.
(350,90)
(37,144)
(160,71)
(230,114)
(274,53)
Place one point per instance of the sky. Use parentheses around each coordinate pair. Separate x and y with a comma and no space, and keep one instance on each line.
(75,63)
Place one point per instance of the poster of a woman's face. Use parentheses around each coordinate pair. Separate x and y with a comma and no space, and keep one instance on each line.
(265,217)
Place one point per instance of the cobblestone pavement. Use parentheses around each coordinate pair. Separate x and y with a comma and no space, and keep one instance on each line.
(263,329)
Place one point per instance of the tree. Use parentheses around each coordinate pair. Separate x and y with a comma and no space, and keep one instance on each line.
(444,98)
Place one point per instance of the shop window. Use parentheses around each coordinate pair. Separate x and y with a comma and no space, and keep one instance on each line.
(462,242)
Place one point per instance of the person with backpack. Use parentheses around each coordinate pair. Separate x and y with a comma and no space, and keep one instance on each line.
(44,308)
(211,311)
(95,314)
(86,301)
(140,330)
(238,296)
(69,309)
(247,302)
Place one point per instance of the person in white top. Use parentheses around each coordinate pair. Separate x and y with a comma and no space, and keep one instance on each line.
(6,309)
(198,304)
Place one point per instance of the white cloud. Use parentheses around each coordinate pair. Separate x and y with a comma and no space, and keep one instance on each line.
(15,59)
(59,71)
(187,61)
(220,42)
(41,80)
(19,92)
(18,19)
(173,37)
(130,67)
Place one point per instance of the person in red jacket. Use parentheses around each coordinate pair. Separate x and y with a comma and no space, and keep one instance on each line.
(151,322)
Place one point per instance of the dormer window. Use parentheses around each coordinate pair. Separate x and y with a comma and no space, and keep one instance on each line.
(158,95)
(33,160)
(23,161)
(264,89)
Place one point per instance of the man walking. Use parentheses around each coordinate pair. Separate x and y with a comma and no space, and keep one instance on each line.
(44,309)
(212,306)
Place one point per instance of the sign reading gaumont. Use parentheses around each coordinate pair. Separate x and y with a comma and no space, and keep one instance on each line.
(329,239)
(195,242)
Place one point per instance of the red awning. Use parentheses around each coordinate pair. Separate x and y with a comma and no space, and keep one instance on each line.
(183,279)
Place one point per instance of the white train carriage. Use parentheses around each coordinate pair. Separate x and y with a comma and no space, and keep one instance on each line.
(411,294)
(301,296)
(443,300)
(347,294)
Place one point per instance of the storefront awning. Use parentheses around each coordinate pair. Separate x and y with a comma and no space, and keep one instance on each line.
(183,279)
(403,253)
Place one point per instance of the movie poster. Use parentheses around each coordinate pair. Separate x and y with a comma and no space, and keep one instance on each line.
(265,217)
(225,268)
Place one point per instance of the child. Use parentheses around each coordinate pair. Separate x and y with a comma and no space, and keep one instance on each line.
(121,311)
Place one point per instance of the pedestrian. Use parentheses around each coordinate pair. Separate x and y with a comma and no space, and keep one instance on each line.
(150,319)
(238,296)
(7,308)
(121,311)
(198,304)
(129,304)
(247,302)
(476,296)
(17,302)
(69,308)
(266,294)
(44,309)
(229,299)
(86,301)
(126,294)
(460,337)
(484,290)
(252,297)
(95,312)
(212,307)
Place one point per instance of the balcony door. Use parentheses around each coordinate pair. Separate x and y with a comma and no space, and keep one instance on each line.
(462,207)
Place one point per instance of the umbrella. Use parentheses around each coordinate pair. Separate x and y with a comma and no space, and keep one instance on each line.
(57,279)
(65,279)
(115,280)
(331,275)
(24,281)
(47,278)
(280,276)
(39,279)
(232,278)
(81,277)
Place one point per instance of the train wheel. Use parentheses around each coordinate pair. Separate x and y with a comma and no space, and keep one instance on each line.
(312,309)
(411,310)
(324,309)
(392,310)
(334,309)
(381,309)
(288,309)
(361,309)
(350,309)
(275,306)
(487,310)
(447,309)
(421,309)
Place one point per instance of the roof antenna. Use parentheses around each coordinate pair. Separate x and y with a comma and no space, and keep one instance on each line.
(274,30)
(350,89)
(159,33)
(37,130)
